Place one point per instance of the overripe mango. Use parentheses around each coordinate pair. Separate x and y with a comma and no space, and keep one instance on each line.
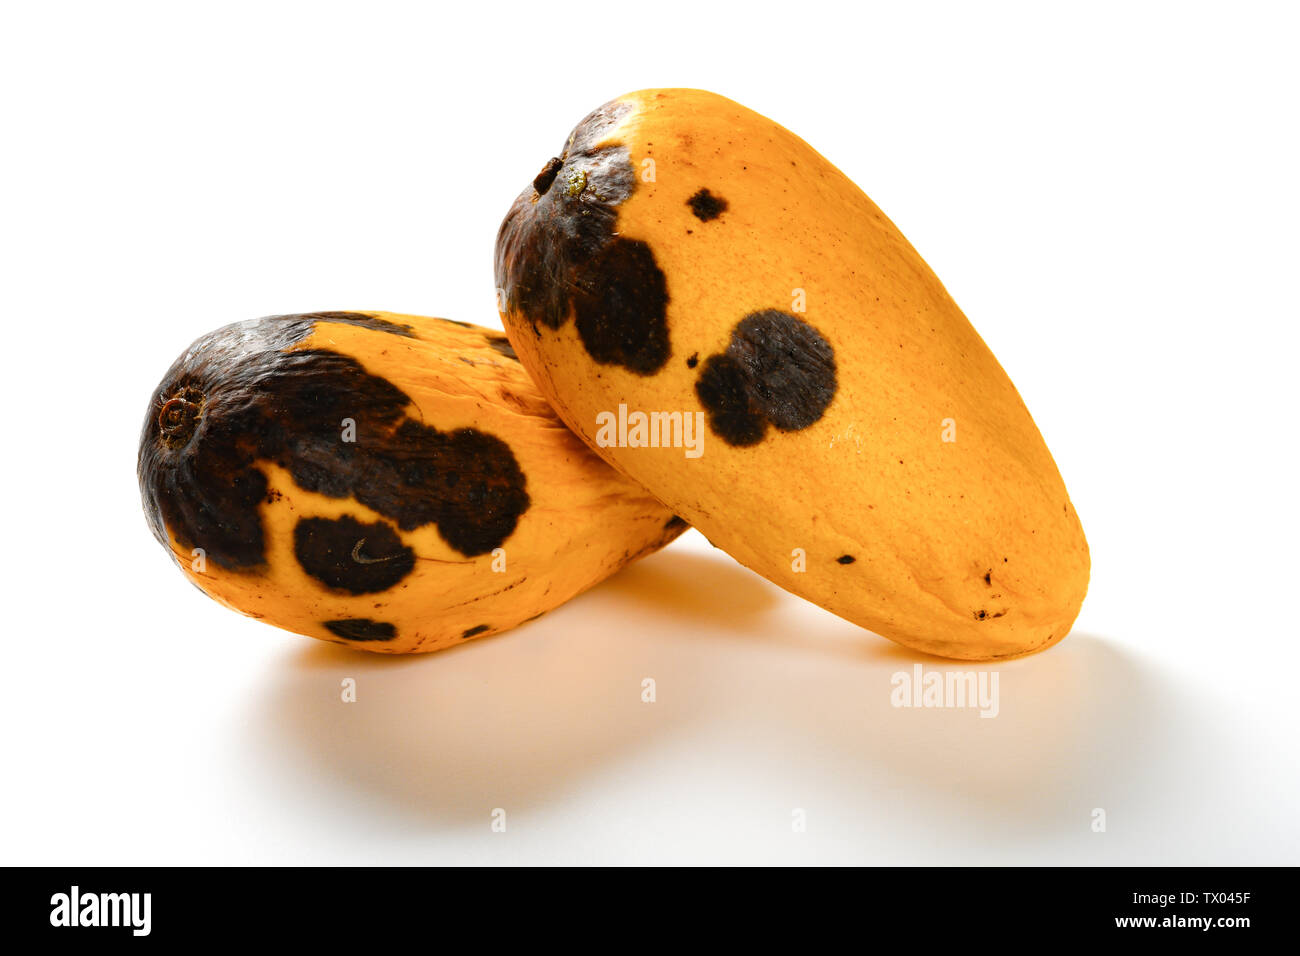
(389,482)
(685,256)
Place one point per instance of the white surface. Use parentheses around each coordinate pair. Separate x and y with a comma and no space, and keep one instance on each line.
(1109,192)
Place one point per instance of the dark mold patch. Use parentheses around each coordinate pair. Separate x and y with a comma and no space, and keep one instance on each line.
(361,629)
(707,206)
(357,318)
(694,360)
(558,253)
(620,300)
(260,401)
(344,554)
(502,345)
(845,559)
(777,369)
(723,391)
(478,629)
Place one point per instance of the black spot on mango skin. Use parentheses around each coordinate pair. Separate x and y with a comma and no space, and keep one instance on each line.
(846,559)
(344,554)
(559,253)
(361,629)
(777,369)
(257,400)
(614,299)
(724,392)
(478,629)
(707,206)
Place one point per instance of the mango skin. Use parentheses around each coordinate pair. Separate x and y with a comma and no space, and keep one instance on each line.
(243,456)
(626,288)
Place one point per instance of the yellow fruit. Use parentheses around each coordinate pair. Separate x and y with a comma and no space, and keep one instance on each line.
(687,255)
(390,482)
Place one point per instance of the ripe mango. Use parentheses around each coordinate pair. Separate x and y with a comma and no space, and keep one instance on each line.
(862,446)
(389,482)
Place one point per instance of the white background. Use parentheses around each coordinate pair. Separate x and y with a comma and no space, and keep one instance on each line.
(1110,192)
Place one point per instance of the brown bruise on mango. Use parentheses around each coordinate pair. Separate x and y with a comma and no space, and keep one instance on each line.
(347,555)
(282,544)
(560,253)
(777,369)
(706,206)
(361,629)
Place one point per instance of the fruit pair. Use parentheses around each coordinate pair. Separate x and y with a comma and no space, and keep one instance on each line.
(683,260)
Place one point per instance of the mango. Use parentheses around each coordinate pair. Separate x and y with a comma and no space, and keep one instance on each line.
(685,268)
(392,483)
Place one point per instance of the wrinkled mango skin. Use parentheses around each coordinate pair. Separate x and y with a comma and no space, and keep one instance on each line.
(863,448)
(388,482)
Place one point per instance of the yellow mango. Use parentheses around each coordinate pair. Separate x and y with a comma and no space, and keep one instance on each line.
(389,482)
(815,402)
